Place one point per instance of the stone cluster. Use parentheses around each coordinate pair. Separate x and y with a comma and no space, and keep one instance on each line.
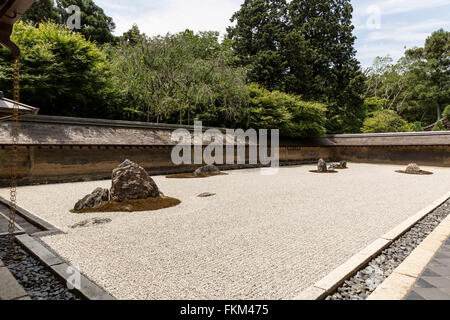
(341,165)
(129,182)
(361,285)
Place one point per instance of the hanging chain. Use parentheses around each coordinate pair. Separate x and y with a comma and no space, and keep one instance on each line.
(14,158)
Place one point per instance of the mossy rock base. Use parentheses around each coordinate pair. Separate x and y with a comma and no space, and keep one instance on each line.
(328,171)
(421,173)
(149,204)
(193,176)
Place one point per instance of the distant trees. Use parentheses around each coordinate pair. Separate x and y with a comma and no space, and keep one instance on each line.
(417,87)
(258,40)
(181,77)
(95,24)
(305,48)
(385,121)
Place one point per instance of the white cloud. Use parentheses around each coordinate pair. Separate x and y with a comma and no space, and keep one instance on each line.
(177,15)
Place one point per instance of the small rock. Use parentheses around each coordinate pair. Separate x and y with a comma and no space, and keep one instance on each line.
(413,168)
(206,194)
(91,222)
(206,169)
(322,166)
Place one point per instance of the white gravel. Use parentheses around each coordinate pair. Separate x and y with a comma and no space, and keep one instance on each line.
(260,237)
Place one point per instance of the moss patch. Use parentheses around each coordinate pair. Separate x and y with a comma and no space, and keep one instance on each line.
(193,176)
(149,204)
(421,173)
(328,171)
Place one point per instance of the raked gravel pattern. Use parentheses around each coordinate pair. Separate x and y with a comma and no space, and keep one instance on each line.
(365,281)
(259,237)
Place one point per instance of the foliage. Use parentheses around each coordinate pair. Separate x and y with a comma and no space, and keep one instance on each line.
(95,24)
(40,11)
(61,72)
(385,121)
(181,77)
(374,104)
(417,87)
(290,114)
(439,126)
(257,40)
(446,113)
(417,126)
(304,48)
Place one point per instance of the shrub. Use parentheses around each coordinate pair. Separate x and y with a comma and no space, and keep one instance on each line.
(417,126)
(439,126)
(61,72)
(446,113)
(385,121)
(289,113)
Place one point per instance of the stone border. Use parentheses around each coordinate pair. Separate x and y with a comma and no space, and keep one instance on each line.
(88,289)
(10,289)
(48,228)
(18,229)
(400,282)
(333,280)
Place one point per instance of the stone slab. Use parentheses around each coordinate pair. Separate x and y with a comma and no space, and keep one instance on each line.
(38,250)
(87,289)
(9,287)
(311,293)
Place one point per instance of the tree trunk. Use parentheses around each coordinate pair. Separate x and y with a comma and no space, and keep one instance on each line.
(439,112)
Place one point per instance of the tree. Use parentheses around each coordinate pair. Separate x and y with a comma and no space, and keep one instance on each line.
(61,72)
(95,24)
(181,77)
(258,39)
(430,74)
(385,121)
(446,113)
(40,11)
(288,113)
(132,36)
(321,60)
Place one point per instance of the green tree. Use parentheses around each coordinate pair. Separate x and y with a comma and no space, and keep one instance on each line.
(132,36)
(417,126)
(42,10)
(385,121)
(181,77)
(288,113)
(258,38)
(446,113)
(61,72)
(321,60)
(95,24)
(429,75)
(439,126)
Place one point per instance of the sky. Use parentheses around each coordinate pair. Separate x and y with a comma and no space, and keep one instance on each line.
(382,27)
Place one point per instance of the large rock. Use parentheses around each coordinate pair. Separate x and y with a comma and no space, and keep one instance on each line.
(322,166)
(413,168)
(206,169)
(95,199)
(130,181)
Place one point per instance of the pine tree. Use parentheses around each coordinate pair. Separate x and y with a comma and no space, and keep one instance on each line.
(321,60)
(258,36)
